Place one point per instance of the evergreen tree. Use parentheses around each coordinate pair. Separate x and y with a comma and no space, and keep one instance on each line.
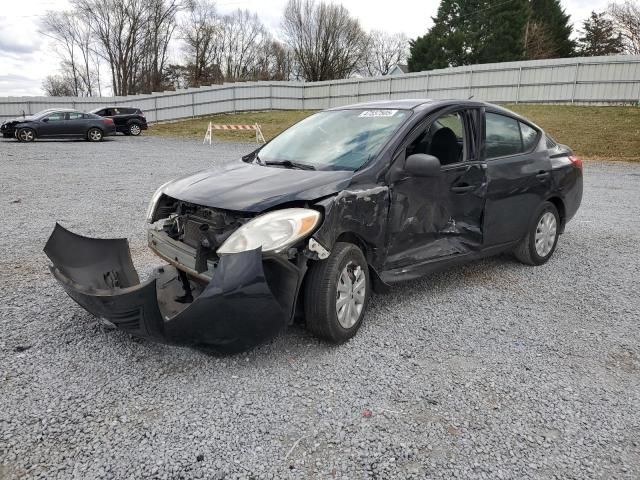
(599,37)
(467,32)
(550,15)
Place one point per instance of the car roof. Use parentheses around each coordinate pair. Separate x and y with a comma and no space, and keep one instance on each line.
(423,104)
(417,104)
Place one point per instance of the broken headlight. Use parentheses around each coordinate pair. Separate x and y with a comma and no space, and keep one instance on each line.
(151,210)
(272,231)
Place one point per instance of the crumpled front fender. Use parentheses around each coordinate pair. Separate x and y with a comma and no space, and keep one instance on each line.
(235,311)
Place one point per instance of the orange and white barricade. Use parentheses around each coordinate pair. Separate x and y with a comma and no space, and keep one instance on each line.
(214,126)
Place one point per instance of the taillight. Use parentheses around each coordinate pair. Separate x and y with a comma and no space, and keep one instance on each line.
(108,121)
(575,161)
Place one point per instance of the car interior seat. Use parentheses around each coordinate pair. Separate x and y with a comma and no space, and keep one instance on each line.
(444,145)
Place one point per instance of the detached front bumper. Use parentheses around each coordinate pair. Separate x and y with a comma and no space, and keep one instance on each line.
(248,300)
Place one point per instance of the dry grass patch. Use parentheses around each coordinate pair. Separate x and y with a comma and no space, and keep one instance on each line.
(271,123)
(603,133)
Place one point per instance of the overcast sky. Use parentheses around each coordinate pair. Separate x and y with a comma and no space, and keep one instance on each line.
(26,57)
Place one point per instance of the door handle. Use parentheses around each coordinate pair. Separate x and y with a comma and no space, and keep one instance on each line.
(463,188)
(542,175)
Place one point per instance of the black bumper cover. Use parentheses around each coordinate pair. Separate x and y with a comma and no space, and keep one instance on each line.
(236,311)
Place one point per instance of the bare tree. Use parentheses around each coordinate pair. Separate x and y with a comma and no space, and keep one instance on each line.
(384,51)
(242,37)
(626,19)
(118,26)
(159,27)
(538,43)
(199,32)
(326,41)
(73,37)
(59,86)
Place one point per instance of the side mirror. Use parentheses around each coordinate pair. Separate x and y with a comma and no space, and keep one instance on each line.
(422,165)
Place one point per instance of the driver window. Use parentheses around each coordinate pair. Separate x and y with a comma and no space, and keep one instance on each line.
(444,139)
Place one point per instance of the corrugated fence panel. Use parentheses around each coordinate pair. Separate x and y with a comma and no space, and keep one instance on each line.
(598,80)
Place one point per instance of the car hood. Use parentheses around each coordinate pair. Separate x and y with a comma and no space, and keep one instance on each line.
(242,186)
(18,120)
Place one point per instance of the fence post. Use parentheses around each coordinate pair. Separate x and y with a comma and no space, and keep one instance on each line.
(304,94)
(518,86)
(426,87)
(270,95)
(155,105)
(470,86)
(358,91)
(330,93)
(234,97)
(575,82)
(389,93)
(193,105)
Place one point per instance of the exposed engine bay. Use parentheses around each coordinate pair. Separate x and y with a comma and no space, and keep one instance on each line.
(201,228)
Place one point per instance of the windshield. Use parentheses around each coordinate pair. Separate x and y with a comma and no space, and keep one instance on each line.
(334,140)
(42,113)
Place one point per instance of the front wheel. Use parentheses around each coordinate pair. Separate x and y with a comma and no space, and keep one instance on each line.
(94,135)
(337,293)
(541,240)
(26,135)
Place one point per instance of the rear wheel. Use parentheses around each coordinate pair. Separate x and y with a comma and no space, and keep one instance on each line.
(134,129)
(26,135)
(336,294)
(541,240)
(94,135)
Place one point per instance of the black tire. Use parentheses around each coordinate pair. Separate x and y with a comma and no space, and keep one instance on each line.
(321,293)
(95,135)
(26,135)
(526,251)
(134,129)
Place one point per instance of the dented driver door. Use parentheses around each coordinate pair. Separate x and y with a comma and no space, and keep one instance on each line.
(439,217)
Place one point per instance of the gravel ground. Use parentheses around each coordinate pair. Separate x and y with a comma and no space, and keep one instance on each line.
(491,370)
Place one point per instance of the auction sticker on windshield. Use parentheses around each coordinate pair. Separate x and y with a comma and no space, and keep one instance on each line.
(378,113)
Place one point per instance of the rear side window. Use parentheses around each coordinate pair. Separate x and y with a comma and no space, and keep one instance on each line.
(507,136)
(502,136)
(529,136)
(75,116)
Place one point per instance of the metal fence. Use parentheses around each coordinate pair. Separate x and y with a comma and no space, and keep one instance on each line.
(582,80)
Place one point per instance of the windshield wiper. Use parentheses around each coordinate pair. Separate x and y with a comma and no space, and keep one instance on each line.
(290,164)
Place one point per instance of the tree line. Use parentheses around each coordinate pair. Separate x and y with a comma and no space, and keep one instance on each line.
(131,46)
(134,41)
(467,32)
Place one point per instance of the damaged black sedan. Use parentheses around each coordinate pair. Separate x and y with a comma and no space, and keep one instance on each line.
(346,202)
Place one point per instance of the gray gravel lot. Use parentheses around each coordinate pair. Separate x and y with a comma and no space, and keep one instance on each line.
(491,370)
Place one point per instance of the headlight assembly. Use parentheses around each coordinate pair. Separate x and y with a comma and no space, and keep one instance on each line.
(273,231)
(151,209)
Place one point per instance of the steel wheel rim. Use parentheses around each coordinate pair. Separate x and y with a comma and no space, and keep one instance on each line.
(545,236)
(26,135)
(134,130)
(350,295)
(95,135)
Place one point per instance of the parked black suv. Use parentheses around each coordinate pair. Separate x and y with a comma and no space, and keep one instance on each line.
(128,120)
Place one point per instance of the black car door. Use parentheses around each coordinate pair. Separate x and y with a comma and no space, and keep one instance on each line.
(433,218)
(53,125)
(519,173)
